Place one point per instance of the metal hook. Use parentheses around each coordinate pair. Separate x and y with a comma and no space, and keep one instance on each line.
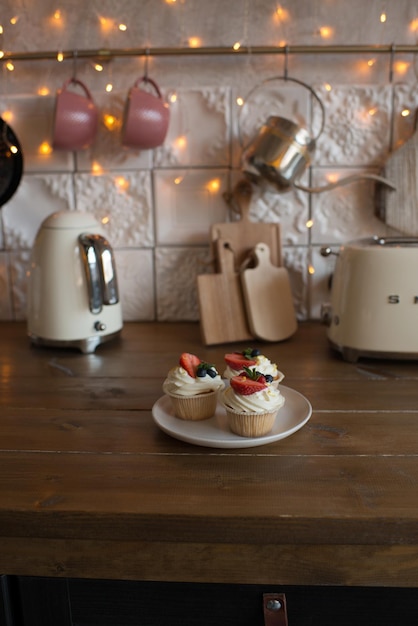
(286,61)
(392,58)
(75,55)
(146,64)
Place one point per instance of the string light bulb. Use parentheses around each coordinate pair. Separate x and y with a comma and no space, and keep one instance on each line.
(194,42)
(213,185)
(240,101)
(414,25)
(10,66)
(60,57)
(405,112)
(123,27)
(181,142)
(14,20)
(236,46)
(110,121)
(281,14)
(121,183)
(383,18)
(106,24)
(109,87)
(45,148)
(326,32)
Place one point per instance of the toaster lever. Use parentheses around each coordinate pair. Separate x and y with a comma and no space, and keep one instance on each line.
(99,266)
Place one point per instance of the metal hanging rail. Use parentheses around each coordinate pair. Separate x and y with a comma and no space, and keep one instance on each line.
(108,54)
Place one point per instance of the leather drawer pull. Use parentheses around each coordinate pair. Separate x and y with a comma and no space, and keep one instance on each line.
(275,612)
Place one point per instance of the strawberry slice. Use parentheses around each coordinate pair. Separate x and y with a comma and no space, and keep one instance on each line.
(245,386)
(190,363)
(237,361)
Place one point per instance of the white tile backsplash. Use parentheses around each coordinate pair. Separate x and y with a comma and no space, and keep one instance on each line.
(157,206)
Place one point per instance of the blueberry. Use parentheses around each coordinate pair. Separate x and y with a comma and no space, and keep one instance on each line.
(269,378)
(255,352)
(211,373)
(201,372)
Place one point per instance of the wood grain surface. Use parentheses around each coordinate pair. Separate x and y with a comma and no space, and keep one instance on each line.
(90,487)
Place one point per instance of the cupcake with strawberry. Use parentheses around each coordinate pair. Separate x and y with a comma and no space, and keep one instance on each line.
(193,386)
(251,403)
(251,358)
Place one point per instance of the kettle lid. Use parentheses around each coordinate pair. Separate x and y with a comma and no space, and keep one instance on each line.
(70,219)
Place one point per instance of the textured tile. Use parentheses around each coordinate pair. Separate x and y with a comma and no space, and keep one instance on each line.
(405,107)
(31,118)
(6,310)
(198,133)
(176,272)
(289,209)
(295,259)
(37,197)
(122,202)
(19,265)
(187,202)
(357,127)
(135,273)
(107,151)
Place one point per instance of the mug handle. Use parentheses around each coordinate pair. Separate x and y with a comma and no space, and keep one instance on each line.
(76,81)
(147,79)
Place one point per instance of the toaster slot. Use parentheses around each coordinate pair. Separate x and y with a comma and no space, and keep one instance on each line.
(92,270)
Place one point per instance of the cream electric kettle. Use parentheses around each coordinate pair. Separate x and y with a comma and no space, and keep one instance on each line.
(73,298)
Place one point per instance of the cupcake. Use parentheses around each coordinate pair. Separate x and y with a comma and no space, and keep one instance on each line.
(193,387)
(251,404)
(251,358)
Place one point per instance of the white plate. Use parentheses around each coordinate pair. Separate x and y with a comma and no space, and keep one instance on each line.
(214,432)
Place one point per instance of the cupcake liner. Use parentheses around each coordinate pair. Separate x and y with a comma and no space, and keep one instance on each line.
(195,407)
(250,424)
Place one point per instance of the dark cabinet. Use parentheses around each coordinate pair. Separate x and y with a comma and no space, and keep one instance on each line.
(28,601)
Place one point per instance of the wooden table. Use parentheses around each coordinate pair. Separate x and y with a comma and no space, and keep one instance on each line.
(91,488)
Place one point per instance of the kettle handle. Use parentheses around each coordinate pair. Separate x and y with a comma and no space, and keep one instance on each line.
(99,267)
(293,80)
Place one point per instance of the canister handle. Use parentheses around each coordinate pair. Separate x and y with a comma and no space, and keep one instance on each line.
(293,80)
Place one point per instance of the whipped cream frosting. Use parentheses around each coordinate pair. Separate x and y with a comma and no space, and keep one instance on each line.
(267,400)
(263,365)
(180,383)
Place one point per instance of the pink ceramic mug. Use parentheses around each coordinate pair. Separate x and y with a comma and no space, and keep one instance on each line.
(146,117)
(76,118)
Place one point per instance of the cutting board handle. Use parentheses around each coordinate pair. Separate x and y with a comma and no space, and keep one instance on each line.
(268,298)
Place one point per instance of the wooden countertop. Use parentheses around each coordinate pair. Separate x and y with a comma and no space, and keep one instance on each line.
(90,487)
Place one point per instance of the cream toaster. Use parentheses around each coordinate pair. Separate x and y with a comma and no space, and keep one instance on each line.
(373,310)
(73,298)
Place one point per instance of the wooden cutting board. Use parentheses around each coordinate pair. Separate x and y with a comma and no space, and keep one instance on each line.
(268,298)
(222,312)
(399,208)
(244,234)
